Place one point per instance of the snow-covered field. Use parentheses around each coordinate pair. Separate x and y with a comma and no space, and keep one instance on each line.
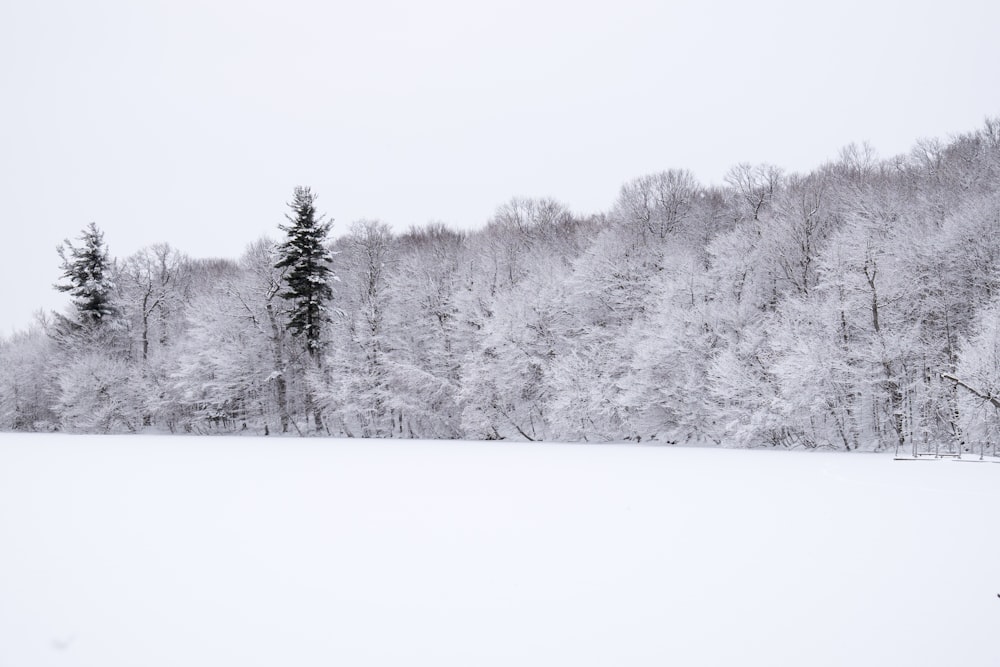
(151,551)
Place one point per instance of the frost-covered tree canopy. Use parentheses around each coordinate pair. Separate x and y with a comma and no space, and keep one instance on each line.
(825,309)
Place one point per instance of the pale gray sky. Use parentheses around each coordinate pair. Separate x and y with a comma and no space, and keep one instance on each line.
(190,121)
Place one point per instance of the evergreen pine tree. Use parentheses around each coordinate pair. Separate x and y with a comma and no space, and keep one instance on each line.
(307,260)
(88,270)
(307,263)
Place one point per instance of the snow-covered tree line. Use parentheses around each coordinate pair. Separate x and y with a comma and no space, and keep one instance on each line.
(817,310)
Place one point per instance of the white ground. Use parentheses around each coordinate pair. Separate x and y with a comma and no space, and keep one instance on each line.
(129,551)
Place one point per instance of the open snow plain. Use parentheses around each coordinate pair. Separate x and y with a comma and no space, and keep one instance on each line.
(124,551)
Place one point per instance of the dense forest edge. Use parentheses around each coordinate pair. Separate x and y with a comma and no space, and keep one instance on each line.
(856,307)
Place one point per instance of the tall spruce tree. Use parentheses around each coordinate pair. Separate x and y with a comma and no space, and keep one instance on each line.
(88,270)
(307,264)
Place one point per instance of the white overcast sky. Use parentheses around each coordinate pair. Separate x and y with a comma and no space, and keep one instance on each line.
(190,121)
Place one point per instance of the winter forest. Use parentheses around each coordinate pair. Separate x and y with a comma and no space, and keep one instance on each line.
(853,307)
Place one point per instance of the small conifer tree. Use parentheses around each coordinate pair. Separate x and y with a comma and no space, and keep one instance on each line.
(88,270)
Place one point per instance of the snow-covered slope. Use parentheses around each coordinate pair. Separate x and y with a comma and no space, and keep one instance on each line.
(157,551)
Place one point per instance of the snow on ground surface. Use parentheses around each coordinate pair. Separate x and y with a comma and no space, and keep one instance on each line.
(124,551)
